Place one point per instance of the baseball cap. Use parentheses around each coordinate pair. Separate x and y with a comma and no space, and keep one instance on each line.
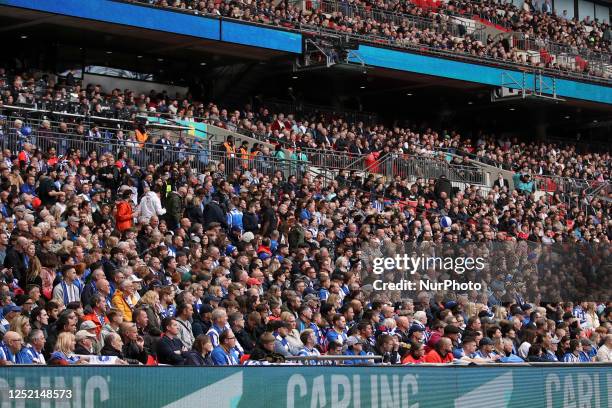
(134,278)
(415,328)
(84,334)
(155,284)
(88,325)
(352,340)
(485,341)
(10,308)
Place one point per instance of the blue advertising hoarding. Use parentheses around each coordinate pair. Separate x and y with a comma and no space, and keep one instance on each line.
(303,386)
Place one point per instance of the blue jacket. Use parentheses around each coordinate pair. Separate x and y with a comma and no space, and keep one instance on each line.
(350,352)
(220,357)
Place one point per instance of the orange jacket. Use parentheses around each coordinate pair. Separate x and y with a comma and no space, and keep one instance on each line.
(94,318)
(142,137)
(230,150)
(124,216)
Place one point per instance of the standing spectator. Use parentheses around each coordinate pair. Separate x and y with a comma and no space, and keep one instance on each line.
(175,207)
(124,215)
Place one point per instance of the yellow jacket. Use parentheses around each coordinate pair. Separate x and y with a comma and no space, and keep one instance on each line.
(118,301)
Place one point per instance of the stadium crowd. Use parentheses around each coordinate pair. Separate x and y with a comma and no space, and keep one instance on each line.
(536,19)
(302,134)
(107,262)
(543,27)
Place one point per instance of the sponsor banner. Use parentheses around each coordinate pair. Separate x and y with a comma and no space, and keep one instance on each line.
(250,387)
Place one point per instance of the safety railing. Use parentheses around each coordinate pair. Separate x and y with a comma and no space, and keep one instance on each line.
(199,156)
(413,167)
(33,117)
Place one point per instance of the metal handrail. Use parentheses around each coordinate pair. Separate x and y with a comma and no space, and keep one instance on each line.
(89,118)
(199,158)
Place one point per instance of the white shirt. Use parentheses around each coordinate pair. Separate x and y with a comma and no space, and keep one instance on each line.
(150,205)
(604,354)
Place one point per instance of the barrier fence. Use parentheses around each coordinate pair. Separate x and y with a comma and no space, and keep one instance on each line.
(199,156)
(545,385)
(200,152)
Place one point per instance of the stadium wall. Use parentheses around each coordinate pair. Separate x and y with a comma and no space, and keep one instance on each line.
(548,385)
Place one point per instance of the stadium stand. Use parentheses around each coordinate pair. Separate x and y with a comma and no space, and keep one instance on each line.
(524,36)
(184,250)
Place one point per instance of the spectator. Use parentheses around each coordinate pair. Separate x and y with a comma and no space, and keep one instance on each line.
(64,351)
(264,351)
(200,355)
(441,353)
(170,349)
(416,354)
(12,350)
(224,353)
(84,343)
(184,314)
(604,354)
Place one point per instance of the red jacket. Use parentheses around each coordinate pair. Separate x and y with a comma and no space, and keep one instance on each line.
(434,357)
(124,216)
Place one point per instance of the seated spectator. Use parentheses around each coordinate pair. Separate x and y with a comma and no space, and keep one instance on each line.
(12,350)
(84,343)
(441,353)
(64,351)
(354,347)
(200,355)
(133,344)
(225,353)
(170,349)
(604,354)
(309,340)
(264,351)
(416,354)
